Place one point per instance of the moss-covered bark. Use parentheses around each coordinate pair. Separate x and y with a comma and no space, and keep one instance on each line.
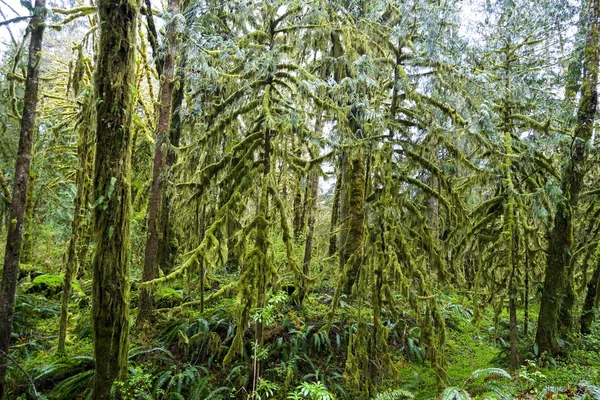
(115,74)
(560,245)
(335,212)
(351,250)
(311,208)
(590,304)
(79,217)
(14,238)
(28,223)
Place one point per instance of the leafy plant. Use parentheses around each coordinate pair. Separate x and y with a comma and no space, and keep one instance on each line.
(312,391)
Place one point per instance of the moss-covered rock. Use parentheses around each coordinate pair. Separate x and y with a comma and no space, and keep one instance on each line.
(167,298)
(47,284)
(51,285)
(30,271)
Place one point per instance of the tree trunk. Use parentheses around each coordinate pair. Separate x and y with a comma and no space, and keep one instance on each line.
(115,75)
(158,178)
(561,240)
(77,225)
(28,225)
(12,253)
(311,205)
(513,332)
(351,249)
(588,312)
(335,213)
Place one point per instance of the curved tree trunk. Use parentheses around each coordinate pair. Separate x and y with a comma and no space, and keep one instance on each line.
(561,240)
(14,239)
(115,74)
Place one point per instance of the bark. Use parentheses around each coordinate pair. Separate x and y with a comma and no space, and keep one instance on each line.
(308,246)
(28,225)
(158,178)
(77,227)
(351,249)
(14,238)
(115,76)
(590,304)
(526,294)
(166,250)
(513,332)
(561,238)
(335,211)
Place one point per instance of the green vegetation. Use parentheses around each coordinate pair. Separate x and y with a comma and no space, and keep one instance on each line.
(282,199)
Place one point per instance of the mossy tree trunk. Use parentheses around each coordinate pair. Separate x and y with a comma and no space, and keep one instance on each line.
(28,224)
(154,233)
(352,187)
(78,224)
(115,75)
(335,212)
(311,208)
(560,245)
(590,304)
(14,238)
(351,257)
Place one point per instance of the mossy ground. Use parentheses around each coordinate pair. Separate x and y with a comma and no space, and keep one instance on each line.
(297,349)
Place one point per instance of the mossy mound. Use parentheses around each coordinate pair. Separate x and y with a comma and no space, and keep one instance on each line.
(51,285)
(30,271)
(167,298)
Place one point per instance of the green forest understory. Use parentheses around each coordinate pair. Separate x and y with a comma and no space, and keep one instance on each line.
(299,199)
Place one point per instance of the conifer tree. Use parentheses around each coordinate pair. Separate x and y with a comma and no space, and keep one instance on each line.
(560,244)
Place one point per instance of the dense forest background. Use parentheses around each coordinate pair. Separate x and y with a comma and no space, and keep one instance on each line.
(308,199)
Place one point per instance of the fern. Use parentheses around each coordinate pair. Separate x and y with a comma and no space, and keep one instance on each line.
(589,390)
(394,394)
(490,373)
(454,393)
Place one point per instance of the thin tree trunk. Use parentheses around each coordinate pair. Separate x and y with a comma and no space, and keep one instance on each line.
(308,246)
(513,332)
(77,227)
(28,225)
(8,286)
(561,240)
(157,189)
(526,294)
(588,312)
(335,213)
(115,75)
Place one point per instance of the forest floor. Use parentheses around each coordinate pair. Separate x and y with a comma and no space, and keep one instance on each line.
(185,348)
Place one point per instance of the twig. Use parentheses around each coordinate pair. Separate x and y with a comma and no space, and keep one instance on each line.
(35,392)
(15,19)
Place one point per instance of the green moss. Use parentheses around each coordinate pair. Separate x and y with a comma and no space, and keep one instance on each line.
(28,270)
(47,284)
(168,298)
(51,285)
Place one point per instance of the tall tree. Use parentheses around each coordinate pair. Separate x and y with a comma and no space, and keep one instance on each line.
(114,83)
(560,245)
(14,238)
(157,190)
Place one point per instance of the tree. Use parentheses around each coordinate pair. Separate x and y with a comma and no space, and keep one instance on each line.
(560,244)
(114,83)
(14,239)
(154,233)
